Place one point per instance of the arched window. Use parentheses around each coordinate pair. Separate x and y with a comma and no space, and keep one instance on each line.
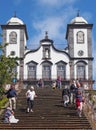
(13,38)
(61,70)
(46,70)
(81,71)
(80,37)
(32,66)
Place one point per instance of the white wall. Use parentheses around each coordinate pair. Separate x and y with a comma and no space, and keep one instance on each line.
(55,57)
(13,47)
(80,46)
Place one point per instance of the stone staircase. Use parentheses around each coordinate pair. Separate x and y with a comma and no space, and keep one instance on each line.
(49,113)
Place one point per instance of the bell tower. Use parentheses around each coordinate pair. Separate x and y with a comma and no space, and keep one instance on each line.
(79,38)
(15,34)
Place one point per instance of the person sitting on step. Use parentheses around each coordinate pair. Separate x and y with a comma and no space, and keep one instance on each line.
(9,116)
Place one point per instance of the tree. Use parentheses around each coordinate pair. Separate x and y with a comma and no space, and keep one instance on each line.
(7,66)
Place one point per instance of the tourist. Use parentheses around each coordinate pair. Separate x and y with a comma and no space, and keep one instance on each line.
(9,116)
(65,96)
(54,84)
(59,83)
(30,95)
(40,83)
(80,88)
(12,96)
(79,103)
(72,92)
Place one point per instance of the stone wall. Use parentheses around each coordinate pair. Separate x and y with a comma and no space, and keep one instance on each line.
(90,109)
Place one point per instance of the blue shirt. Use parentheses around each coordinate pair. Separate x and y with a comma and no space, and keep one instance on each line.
(11,93)
(79,96)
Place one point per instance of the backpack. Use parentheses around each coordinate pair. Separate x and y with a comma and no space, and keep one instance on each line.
(65,92)
(72,87)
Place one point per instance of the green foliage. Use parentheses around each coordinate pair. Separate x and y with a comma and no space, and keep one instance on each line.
(3,102)
(7,69)
(7,66)
(1,92)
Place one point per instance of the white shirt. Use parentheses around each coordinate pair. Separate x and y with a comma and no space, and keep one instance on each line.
(32,95)
(28,94)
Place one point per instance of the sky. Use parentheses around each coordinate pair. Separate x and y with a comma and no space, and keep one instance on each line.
(52,16)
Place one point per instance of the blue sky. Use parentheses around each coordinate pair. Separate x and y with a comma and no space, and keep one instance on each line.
(49,15)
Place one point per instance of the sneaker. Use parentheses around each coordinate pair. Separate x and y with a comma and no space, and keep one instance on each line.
(31,110)
(80,115)
(28,110)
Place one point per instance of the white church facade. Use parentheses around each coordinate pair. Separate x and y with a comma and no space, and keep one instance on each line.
(47,62)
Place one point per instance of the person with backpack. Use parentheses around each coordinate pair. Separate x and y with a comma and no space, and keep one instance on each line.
(65,96)
(72,92)
(79,103)
(79,94)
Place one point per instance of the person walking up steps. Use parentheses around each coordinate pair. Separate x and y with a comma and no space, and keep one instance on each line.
(72,92)
(79,92)
(59,83)
(79,103)
(12,96)
(65,96)
(30,95)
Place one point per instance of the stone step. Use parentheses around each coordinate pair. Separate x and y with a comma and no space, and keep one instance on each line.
(49,113)
(45,126)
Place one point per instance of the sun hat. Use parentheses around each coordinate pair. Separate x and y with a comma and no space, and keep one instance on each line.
(9,108)
(32,87)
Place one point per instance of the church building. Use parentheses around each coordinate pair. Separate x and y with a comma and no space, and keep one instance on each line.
(47,62)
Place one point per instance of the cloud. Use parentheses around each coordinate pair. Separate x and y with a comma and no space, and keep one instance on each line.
(56,25)
(56,2)
(54,22)
(53,25)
